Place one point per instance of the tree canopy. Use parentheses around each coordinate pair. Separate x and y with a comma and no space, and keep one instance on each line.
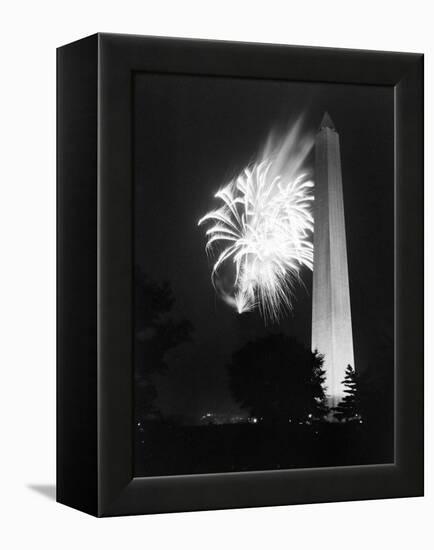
(276,378)
(155,334)
(349,407)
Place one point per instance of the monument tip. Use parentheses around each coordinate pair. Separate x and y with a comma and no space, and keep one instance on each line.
(327,122)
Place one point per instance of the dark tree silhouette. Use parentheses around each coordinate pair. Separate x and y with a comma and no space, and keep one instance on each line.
(349,407)
(155,335)
(278,379)
(320,409)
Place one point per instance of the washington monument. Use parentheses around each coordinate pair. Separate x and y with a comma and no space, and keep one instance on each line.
(332,332)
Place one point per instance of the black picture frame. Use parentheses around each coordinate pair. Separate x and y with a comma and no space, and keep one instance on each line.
(94,274)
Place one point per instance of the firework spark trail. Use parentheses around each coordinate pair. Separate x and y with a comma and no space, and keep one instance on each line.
(264,229)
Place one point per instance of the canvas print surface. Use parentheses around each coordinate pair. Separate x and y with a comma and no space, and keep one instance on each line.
(264,274)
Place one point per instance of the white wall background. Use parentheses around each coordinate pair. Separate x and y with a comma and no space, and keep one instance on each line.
(29,33)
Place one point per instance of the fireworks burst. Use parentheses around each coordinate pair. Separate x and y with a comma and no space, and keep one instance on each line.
(263,228)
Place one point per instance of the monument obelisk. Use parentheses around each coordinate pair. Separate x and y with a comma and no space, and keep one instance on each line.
(331,310)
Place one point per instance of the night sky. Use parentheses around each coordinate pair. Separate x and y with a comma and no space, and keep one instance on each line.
(192,135)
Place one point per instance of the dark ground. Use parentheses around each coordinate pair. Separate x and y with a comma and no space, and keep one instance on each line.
(163,449)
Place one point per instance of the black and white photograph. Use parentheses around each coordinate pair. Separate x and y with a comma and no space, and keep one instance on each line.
(216,298)
(263,274)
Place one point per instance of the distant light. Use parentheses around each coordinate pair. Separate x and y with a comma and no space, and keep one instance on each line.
(254,420)
(309,416)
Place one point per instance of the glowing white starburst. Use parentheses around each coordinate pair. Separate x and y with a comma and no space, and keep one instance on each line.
(264,230)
